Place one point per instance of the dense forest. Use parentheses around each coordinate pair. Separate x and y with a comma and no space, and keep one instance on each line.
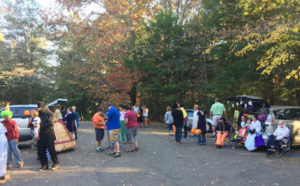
(151,52)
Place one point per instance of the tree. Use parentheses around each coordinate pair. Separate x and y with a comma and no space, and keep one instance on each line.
(24,54)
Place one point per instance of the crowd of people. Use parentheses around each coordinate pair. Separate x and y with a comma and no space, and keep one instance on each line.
(249,131)
(120,125)
(43,136)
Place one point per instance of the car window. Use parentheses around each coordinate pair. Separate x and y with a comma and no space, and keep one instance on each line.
(19,111)
(287,114)
(190,114)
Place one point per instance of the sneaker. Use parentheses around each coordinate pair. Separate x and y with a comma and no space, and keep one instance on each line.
(21,165)
(100,149)
(55,167)
(43,168)
(9,166)
(108,146)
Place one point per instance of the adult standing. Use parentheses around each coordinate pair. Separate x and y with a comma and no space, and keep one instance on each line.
(47,138)
(178,122)
(3,154)
(63,113)
(201,124)
(12,136)
(113,126)
(169,120)
(132,127)
(76,120)
(185,119)
(217,110)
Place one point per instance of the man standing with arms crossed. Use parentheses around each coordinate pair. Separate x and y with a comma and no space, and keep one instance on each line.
(216,112)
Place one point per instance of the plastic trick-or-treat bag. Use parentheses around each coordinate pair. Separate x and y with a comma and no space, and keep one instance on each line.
(243,132)
(259,141)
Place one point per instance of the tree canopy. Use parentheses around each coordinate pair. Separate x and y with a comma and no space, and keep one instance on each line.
(152,52)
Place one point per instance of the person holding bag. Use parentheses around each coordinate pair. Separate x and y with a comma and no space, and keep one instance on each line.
(254,130)
(201,124)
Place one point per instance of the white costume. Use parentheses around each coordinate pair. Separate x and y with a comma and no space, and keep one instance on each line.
(195,117)
(3,150)
(250,140)
(36,121)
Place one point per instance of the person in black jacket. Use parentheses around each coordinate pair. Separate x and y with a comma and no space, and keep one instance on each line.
(222,129)
(47,137)
(178,122)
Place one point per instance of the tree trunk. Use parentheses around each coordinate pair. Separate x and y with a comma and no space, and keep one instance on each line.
(133,93)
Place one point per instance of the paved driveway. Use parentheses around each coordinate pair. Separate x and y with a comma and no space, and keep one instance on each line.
(159,162)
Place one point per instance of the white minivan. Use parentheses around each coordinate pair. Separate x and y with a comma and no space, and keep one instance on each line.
(23,121)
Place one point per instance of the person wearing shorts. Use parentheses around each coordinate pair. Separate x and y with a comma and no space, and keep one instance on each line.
(216,112)
(113,126)
(132,127)
(99,125)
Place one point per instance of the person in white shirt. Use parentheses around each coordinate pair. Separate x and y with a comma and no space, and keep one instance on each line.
(255,125)
(276,140)
(254,129)
(195,116)
(35,124)
(243,122)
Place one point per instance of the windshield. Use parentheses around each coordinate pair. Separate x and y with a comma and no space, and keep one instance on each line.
(18,112)
(190,113)
(287,114)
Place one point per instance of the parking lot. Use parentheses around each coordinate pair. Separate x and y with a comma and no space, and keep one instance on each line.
(160,162)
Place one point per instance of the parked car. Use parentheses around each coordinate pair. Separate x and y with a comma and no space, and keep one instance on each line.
(291,117)
(23,121)
(190,113)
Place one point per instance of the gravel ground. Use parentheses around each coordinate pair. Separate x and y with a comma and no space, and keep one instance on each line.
(159,162)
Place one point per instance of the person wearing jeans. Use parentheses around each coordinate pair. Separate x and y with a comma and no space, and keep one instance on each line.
(169,119)
(13,148)
(178,122)
(12,136)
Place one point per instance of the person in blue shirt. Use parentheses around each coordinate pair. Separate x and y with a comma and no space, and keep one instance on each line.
(113,126)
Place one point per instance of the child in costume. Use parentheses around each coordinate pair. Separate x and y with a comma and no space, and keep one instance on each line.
(222,130)
(3,154)
(12,136)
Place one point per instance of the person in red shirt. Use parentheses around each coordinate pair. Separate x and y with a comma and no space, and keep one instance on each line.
(132,126)
(99,125)
(12,136)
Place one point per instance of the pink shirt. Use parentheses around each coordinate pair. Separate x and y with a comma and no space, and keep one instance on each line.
(132,120)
